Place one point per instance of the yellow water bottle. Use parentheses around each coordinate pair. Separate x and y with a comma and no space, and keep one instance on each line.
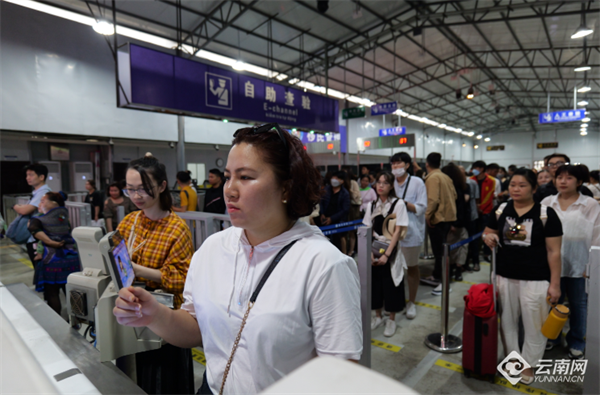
(556,320)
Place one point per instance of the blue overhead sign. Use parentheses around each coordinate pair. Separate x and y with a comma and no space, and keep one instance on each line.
(384,108)
(562,116)
(392,131)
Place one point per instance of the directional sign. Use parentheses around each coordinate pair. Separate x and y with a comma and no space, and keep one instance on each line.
(354,112)
(562,116)
(384,108)
(547,145)
(407,140)
(392,131)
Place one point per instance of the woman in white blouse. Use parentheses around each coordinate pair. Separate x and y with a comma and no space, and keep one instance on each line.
(580,217)
(310,303)
(387,287)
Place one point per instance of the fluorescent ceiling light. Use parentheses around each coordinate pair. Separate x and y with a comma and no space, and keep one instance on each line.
(479,137)
(487,139)
(583,133)
(584,89)
(586,119)
(582,31)
(475,146)
(582,68)
(239,65)
(582,103)
(470,134)
(281,77)
(103,27)
(584,125)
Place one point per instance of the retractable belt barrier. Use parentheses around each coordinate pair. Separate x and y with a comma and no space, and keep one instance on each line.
(341,227)
(444,342)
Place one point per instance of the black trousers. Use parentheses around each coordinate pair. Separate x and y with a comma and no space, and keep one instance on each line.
(473,254)
(383,291)
(437,236)
(168,370)
(204,389)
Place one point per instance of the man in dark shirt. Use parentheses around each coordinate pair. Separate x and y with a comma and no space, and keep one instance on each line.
(554,162)
(335,205)
(213,200)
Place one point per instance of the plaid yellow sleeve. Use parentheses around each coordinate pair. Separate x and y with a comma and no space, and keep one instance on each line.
(177,261)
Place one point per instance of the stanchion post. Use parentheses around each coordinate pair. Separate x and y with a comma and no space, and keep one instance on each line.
(363,241)
(444,342)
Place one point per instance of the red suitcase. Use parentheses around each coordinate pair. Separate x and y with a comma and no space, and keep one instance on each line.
(480,345)
(480,338)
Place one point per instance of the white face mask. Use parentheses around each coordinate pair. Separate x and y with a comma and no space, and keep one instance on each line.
(335,183)
(399,172)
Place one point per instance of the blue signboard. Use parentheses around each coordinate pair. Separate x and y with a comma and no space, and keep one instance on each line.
(392,131)
(562,116)
(309,138)
(159,81)
(384,108)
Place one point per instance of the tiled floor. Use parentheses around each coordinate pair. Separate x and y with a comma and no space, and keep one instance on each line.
(413,363)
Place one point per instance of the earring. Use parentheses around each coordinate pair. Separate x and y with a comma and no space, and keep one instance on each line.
(285,202)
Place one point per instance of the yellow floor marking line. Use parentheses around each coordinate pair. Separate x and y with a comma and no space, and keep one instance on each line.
(10,246)
(498,380)
(385,346)
(467,282)
(198,356)
(431,306)
(26,262)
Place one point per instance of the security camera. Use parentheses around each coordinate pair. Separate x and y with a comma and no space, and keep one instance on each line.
(172,144)
(216,147)
(110,141)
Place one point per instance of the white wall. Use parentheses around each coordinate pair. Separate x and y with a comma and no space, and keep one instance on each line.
(428,139)
(521,148)
(58,77)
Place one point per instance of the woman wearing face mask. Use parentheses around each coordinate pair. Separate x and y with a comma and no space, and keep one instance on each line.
(57,252)
(335,205)
(528,266)
(580,217)
(115,199)
(543,177)
(160,246)
(367,194)
(388,270)
(308,305)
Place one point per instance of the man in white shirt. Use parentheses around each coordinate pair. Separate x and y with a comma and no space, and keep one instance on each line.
(36,178)
(412,190)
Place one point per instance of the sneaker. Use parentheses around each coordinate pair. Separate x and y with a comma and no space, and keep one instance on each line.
(550,345)
(437,291)
(376,322)
(434,282)
(411,311)
(390,328)
(476,267)
(574,354)
(458,274)
(526,379)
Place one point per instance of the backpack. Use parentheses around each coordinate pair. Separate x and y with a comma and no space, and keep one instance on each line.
(543,212)
(17,230)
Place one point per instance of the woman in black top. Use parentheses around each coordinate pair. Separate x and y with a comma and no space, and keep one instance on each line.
(529,266)
(94,199)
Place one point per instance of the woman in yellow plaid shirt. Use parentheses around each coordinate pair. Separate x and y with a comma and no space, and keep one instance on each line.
(160,245)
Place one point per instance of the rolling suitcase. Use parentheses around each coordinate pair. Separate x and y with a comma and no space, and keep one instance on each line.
(480,339)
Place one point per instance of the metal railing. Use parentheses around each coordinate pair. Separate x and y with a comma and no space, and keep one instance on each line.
(591,385)
(202,225)
(363,244)
(80,214)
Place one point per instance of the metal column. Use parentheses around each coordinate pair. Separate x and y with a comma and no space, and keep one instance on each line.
(591,384)
(181,165)
(363,243)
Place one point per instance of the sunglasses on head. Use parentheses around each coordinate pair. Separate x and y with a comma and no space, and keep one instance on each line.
(266,128)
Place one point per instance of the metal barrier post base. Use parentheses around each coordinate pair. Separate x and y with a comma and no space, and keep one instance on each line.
(451,343)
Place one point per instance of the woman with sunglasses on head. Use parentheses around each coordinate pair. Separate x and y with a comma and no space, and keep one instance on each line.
(528,266)
(580,217)
(388,269)
(271,284)
(160,246)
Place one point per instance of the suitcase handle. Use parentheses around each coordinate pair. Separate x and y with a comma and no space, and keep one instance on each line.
(493,278)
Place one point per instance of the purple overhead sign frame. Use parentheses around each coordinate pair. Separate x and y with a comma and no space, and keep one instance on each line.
(158,81)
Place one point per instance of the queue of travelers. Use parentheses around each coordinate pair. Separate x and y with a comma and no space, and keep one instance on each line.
(544,224)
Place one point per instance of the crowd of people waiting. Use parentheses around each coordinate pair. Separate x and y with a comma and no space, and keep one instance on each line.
(544,223)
